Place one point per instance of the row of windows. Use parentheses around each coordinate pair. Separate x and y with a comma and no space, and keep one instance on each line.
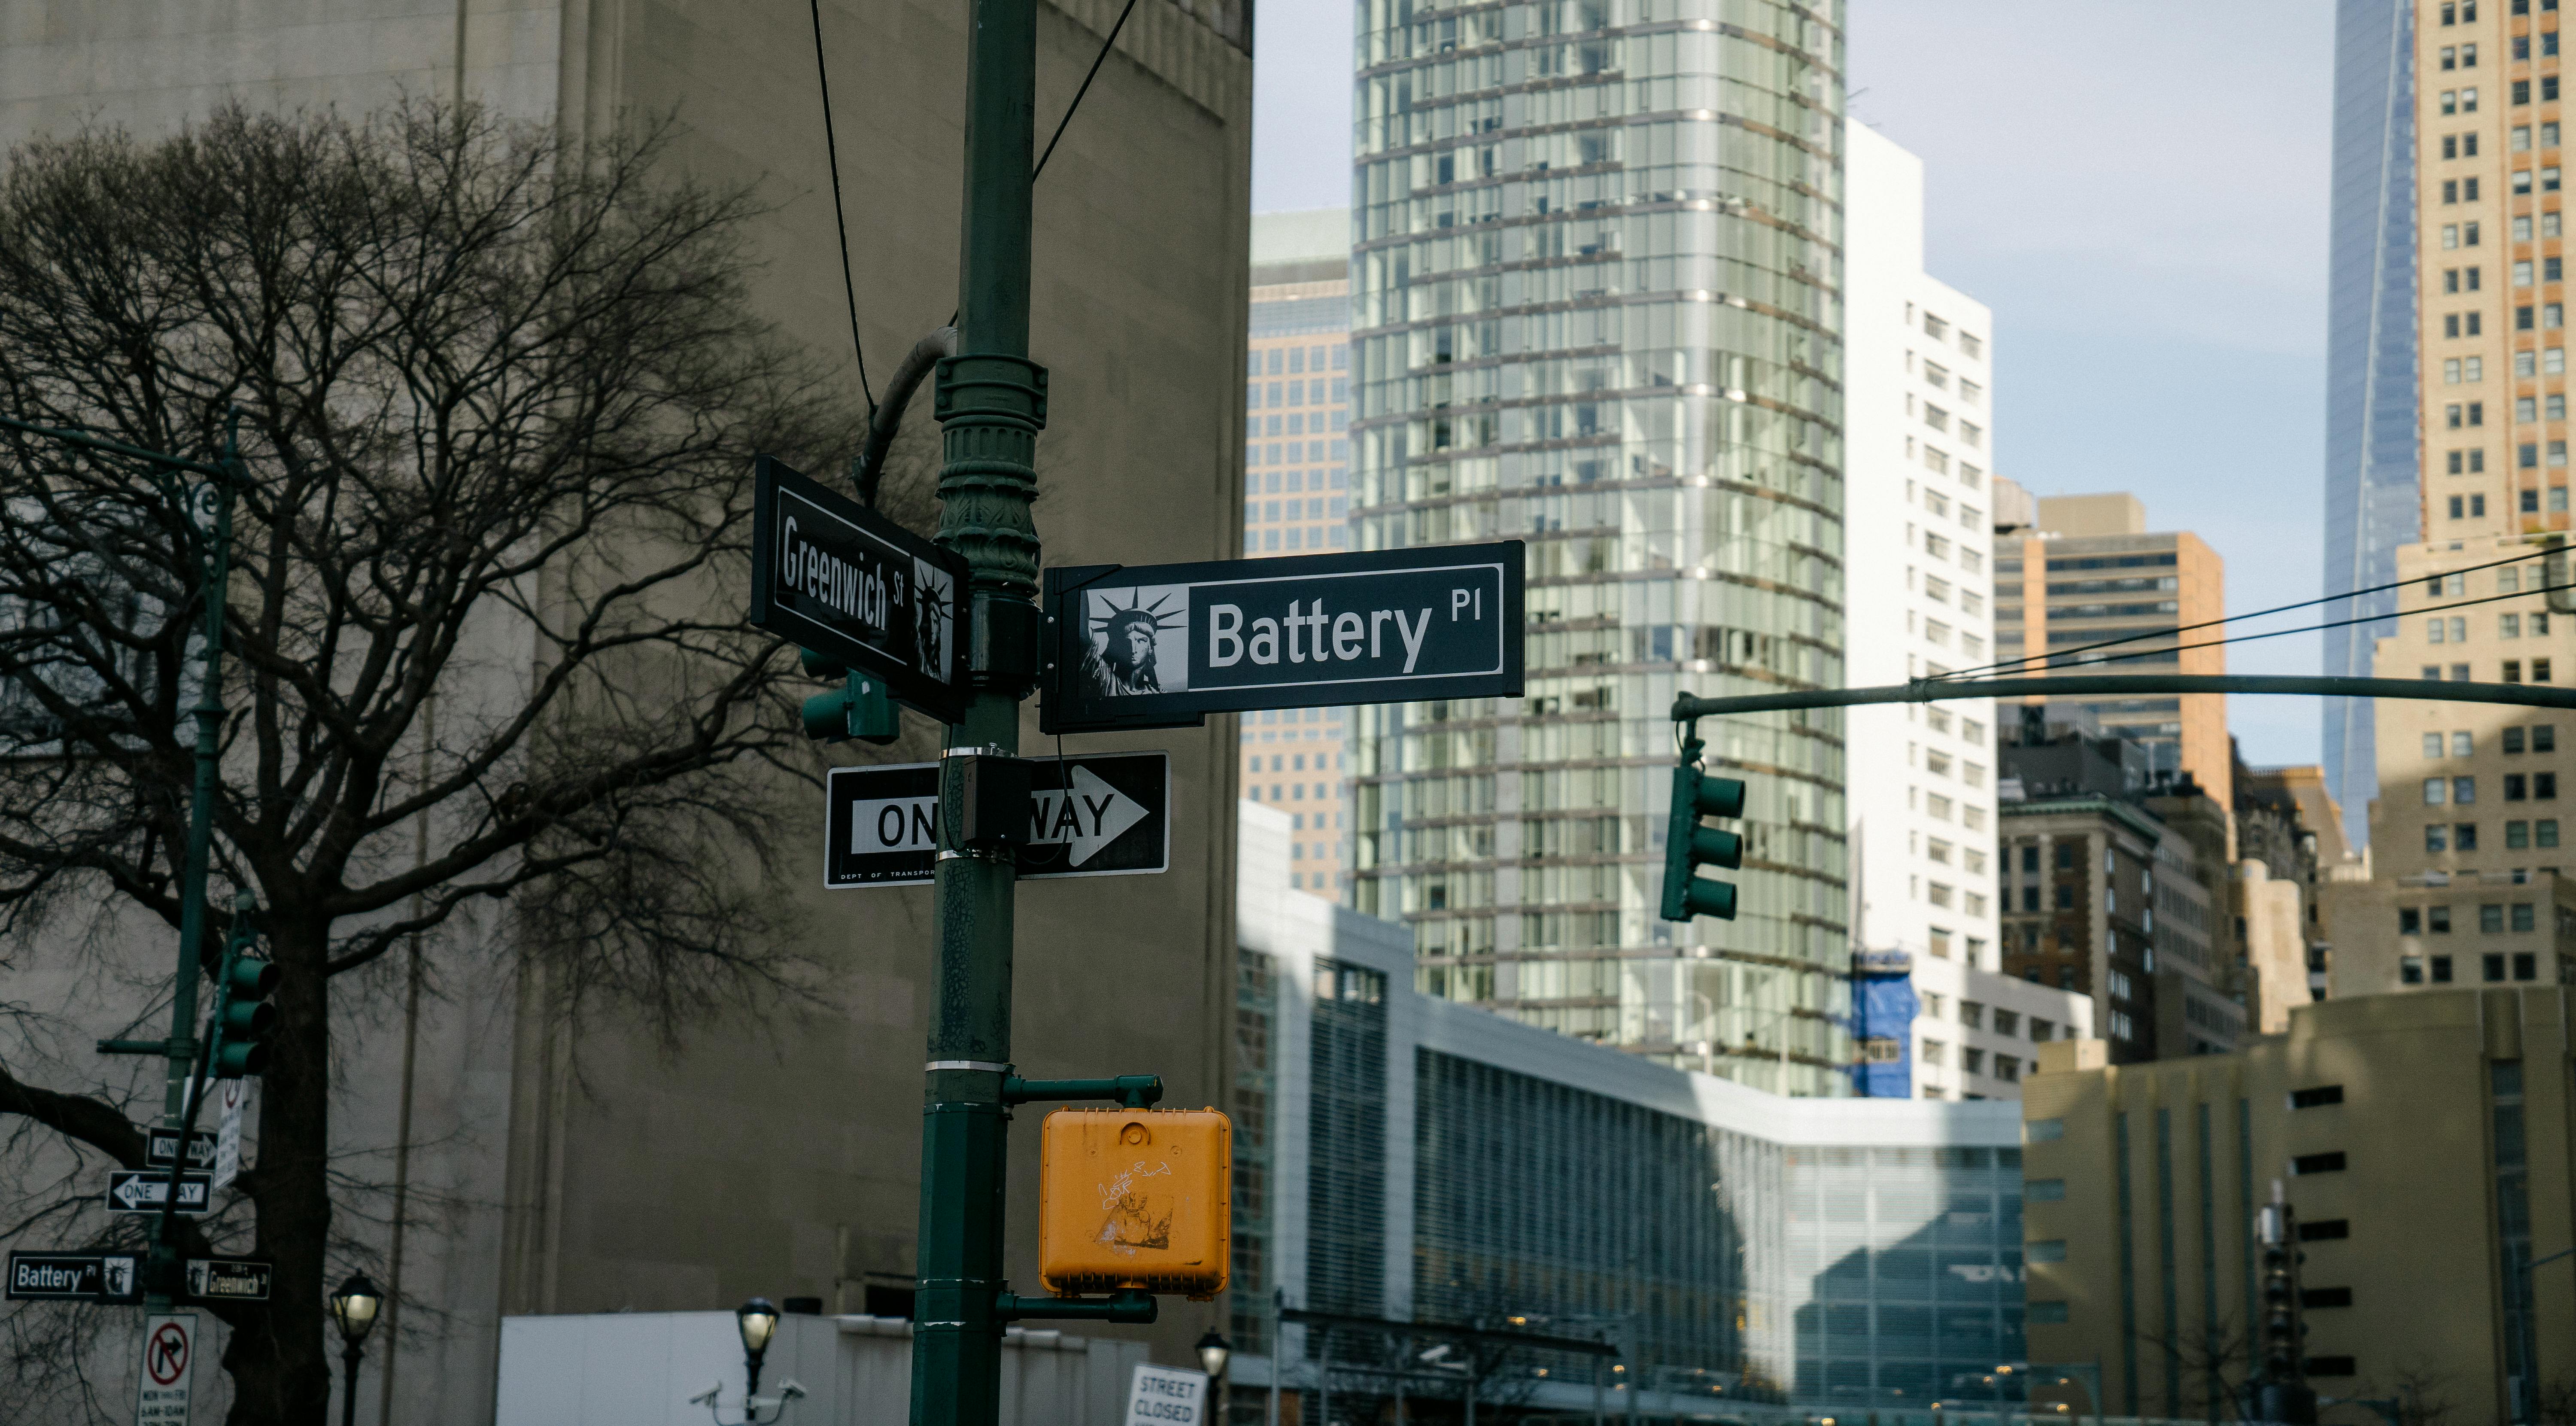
(2455,628)
(2459,673)
(1939,330)
(2511,579)
(1266,541)
(2417,970)
(1295,359)
(1296,423)
(1300,393)
(2494,919)
(1257,481)
(2462,791)
(2529,501)
(2463,836)
(2538,738)
(1272,454)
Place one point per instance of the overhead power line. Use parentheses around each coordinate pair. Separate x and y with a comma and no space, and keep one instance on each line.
(832,148)
(1097,61)
(2042,659)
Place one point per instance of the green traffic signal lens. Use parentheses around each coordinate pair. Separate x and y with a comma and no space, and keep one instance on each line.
(239,1061)
(1711,847)
(1710,898)
(827,716)
(822,665)
(249,1019)
(252,979)
(1720,797)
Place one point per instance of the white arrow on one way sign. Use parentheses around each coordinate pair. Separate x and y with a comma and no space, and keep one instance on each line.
(1090,817)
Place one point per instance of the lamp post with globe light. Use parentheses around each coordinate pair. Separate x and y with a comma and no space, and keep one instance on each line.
(353,1310)
(758,1322)
(1214,1351)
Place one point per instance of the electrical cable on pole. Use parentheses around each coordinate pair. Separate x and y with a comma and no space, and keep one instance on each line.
(832,149)
(2048,661)
(1097,61)
(2260,614)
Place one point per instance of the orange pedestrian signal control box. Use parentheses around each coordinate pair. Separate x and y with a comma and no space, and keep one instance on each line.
(1135,1198)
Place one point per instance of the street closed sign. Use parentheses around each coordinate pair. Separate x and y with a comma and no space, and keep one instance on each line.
(1167,1396)
(1166,645)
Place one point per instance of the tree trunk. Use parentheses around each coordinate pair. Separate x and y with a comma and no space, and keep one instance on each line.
(280,1360)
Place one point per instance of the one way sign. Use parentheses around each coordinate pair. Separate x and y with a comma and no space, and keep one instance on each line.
(136,1191)
(1103,814)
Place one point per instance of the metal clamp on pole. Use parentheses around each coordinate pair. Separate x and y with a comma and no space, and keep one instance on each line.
(1132,1091)
(985,801)
(1134,1306)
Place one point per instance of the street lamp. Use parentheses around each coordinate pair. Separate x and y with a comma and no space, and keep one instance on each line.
(758,1322)
(354,1309)
(1213,1350)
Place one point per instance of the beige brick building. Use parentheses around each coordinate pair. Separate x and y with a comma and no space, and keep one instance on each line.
(2088,572)
(2424,1142)
(2465,885)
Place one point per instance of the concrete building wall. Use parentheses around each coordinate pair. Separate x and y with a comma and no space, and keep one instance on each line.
(2423,1142)
(589,1169)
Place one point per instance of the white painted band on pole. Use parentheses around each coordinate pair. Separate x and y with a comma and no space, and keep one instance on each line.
(937,1065)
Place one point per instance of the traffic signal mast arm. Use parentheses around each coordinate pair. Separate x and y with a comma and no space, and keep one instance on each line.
(1688,707)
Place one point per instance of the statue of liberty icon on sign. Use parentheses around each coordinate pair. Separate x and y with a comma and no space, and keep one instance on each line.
(1138,641)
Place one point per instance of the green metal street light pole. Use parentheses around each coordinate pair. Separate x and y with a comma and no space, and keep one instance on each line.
(207,511)
(991,402)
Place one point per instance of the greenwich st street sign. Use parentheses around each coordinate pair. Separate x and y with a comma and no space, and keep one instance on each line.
(1162,646)
(836,577)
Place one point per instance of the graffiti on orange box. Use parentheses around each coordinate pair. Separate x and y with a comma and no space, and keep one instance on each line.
(1134,1216)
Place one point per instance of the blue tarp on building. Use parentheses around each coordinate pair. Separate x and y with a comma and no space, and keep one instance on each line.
(1883,1010)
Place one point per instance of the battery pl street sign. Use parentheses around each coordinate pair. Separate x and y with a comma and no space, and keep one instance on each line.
(1162,646)
(1100,814)
(833,576)
(230,1279)
(161,1146)
(79,1277)
(145,1190)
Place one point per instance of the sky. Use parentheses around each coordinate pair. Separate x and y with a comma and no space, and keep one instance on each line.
(2136,187)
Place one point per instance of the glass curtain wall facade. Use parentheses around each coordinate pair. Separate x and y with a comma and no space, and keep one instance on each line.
(1598,262)
(2371,441)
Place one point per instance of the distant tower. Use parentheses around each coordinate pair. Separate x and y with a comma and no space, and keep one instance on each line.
(2371,442)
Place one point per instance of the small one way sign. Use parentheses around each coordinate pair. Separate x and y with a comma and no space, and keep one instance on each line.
(1100,814)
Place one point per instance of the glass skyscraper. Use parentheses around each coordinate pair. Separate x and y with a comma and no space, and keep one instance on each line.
(1598,249)
(2372,503)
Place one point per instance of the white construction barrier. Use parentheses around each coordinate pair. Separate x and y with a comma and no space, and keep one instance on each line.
(645,1368)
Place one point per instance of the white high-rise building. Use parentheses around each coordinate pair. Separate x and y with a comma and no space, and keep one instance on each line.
(1921,777)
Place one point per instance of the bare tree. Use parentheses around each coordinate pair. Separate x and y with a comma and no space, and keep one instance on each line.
(2217,1368)
(2423,1394)
(484,641)
(2554,1404)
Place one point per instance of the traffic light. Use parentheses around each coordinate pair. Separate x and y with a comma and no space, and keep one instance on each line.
(243,1015)
(860,708)
(1688,846)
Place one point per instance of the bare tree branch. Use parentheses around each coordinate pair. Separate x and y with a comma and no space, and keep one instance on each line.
(482,637)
